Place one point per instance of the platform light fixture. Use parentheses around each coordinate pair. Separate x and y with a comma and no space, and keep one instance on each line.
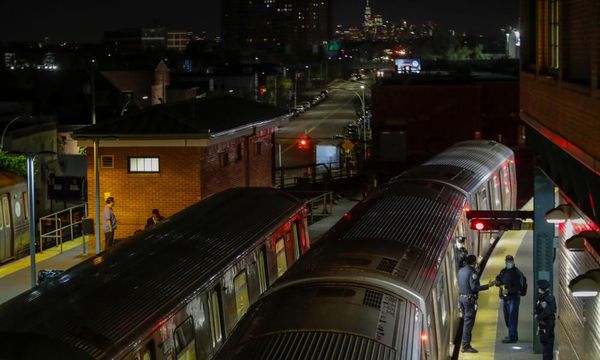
(559,214)
(577,242)
(586,285)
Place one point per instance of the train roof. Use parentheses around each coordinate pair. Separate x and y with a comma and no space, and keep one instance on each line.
(466,165)
(8,178)
(400,232)
(109,300)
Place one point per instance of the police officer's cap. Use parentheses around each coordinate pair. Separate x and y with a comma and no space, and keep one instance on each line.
(509,258)
(471,259)
(543,284)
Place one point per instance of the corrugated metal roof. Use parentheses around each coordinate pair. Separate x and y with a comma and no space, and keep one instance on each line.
(108,299)
(316,345)
(479,157)
(418,216)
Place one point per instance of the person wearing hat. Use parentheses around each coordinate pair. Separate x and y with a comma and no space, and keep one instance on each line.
(461,252)
(469,288)
(545,310)
(510,281)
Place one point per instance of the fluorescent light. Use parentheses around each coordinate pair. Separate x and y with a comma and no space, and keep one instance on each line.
(559,214)
(586,285)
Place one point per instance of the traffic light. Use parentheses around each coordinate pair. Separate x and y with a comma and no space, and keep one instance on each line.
(262,91)
(495,224)
(304,142)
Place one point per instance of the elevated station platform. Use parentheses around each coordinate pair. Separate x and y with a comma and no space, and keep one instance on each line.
(490,329)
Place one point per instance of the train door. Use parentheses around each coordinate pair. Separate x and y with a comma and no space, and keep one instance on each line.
(483,203)
(6,234)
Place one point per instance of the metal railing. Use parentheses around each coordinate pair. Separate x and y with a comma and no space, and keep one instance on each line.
(61,224)
(312,174)
(319,204)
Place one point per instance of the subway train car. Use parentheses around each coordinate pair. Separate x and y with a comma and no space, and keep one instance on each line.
(14,226)
(174,291)
(382,283)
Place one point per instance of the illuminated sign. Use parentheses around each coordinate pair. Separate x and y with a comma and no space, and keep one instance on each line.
(407,66)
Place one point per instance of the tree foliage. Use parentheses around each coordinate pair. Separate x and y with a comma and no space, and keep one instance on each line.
(16,164)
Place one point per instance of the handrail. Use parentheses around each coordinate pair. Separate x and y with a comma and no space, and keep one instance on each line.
(56,231)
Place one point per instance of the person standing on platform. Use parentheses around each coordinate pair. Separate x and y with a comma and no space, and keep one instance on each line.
(469,288)
(110,223)
(510,280)
(545,312)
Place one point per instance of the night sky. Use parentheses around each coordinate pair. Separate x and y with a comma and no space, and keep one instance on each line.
(78,20)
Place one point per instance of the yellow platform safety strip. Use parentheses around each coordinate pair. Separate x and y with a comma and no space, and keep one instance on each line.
(48,253)
(486,322)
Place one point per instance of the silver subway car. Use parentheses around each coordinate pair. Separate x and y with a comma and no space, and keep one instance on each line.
(14,216)
(382,283)
(174,291)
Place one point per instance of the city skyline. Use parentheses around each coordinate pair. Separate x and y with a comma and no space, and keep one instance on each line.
(76,21)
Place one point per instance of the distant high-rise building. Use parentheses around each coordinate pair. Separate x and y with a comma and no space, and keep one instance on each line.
(178,40)
(368,23)
(288,26)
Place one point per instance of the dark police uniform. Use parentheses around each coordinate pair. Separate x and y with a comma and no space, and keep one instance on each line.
(545,310)
(510,293)
(469,287)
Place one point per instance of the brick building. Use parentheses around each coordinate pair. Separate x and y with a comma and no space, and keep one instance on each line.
(416,117)
(560,103)
(171,156)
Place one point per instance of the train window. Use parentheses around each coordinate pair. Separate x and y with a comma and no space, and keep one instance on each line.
(240,283)
(26,205)
(281,257)
(297,238)
(506,186)
(496,193)
(215,316)
(6,210)
(185,343)
(482,200)
(262,270)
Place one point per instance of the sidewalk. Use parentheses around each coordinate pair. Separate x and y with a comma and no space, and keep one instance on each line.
(15,277)
(489,329)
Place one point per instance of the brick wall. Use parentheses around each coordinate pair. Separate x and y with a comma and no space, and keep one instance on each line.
(254,170)
(173,189)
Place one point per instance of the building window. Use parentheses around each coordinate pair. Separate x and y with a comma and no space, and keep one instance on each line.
(223,159)
(258,148)
(238,152)
(144,165)
(107,161)
(554,34)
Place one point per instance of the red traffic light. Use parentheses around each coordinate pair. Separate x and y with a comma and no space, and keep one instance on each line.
(304,143)
(478,225)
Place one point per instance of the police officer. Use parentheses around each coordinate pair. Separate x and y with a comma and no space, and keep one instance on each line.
(469,287)
(509,280)
(545,310)
(461,252)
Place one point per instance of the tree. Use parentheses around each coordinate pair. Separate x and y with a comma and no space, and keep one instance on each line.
(16,164)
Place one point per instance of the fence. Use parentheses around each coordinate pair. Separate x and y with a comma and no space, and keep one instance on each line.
(312,174)
(319,204)
(62,225)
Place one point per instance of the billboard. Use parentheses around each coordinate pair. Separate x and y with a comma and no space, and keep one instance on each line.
(408,66)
